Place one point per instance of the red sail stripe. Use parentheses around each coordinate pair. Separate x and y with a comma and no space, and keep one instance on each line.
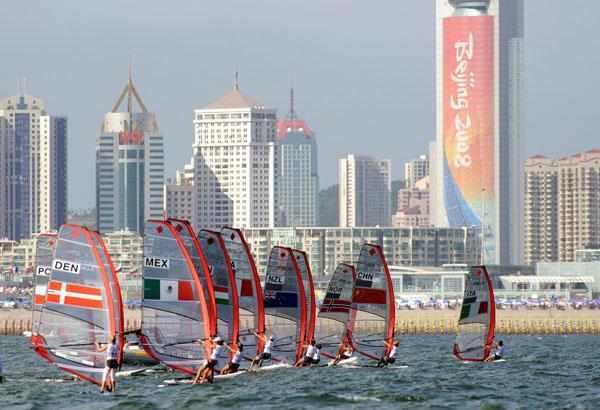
(39,299)
(75,301)
(246,288)
(184,291)
(374,296)
(220,289)
(87,290)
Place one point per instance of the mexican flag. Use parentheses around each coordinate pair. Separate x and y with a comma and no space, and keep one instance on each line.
(221,295)
(168,290)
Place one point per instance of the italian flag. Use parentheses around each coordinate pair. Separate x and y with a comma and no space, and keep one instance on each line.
(221,295)
(168,290)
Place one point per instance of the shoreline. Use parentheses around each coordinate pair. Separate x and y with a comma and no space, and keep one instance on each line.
(418,321)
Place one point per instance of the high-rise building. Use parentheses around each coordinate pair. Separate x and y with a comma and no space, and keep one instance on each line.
(365,189)
(129,166)
(415,170)
(180,195)
(235,163)
(298,184)
(562,206)
(477,167)
(541,210)
(33,167)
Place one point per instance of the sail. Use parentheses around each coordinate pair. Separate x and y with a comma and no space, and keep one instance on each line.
(43,260)
(188,237)
(82,305)
(285,305)
(309,292)
(477,317)
(250,298)
(223,280)
(174,312)
(373,300)
(335,313)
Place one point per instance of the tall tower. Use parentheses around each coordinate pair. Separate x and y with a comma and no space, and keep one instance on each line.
(298,171)
(235,162)
(476,161)
(33,167)
(129,166)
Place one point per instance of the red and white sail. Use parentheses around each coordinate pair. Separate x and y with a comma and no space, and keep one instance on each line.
(82,305)
(285,305)
(43,261)
(174,310)
(373,302)
(309,292)
(335,320)
(477,319)
(250,297)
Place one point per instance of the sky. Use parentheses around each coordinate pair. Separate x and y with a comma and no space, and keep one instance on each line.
(364,74)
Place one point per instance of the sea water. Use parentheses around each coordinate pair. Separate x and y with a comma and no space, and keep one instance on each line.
(539,372)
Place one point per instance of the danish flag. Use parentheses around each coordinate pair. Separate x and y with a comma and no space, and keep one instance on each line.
(74,295)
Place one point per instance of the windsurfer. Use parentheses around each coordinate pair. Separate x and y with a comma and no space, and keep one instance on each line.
(308,357)
(316,358)
(391,357)
(112,364)
(209,365)
(500,352)
(234,365)
(266,353)
(344,355)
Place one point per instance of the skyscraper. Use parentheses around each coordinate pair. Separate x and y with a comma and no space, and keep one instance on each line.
(365,189)
(298,171)
(129,166)
(33,167)
(477,168)
(235,162)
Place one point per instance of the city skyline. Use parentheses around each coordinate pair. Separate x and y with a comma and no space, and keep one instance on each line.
(337,97)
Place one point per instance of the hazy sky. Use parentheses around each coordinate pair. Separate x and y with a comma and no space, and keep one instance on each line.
(363,71)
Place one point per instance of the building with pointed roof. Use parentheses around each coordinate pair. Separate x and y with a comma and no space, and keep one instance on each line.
(33,167)
(298,171)
(234,165)
(129,165)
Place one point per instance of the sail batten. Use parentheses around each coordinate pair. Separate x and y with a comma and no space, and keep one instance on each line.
(477,318)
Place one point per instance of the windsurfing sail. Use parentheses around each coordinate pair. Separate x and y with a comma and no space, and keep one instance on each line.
(373,301)
(188,237)
(285,305)
(82,305)
(309,292)
(174,312)
(43,260)
(223,281)
(477,317)
(250,297)
(333,323)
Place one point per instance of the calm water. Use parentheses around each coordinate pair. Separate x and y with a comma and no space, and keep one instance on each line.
(541,372)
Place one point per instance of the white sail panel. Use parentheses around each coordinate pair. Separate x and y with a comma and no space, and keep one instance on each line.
(477,318)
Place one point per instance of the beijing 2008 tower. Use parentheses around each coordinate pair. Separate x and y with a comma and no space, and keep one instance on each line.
(476,160)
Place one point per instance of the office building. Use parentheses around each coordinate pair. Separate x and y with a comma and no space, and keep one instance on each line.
(298,184)
(129,166)
(365,189)
(415,170)
(476,162)
(33,167)
(235,163)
